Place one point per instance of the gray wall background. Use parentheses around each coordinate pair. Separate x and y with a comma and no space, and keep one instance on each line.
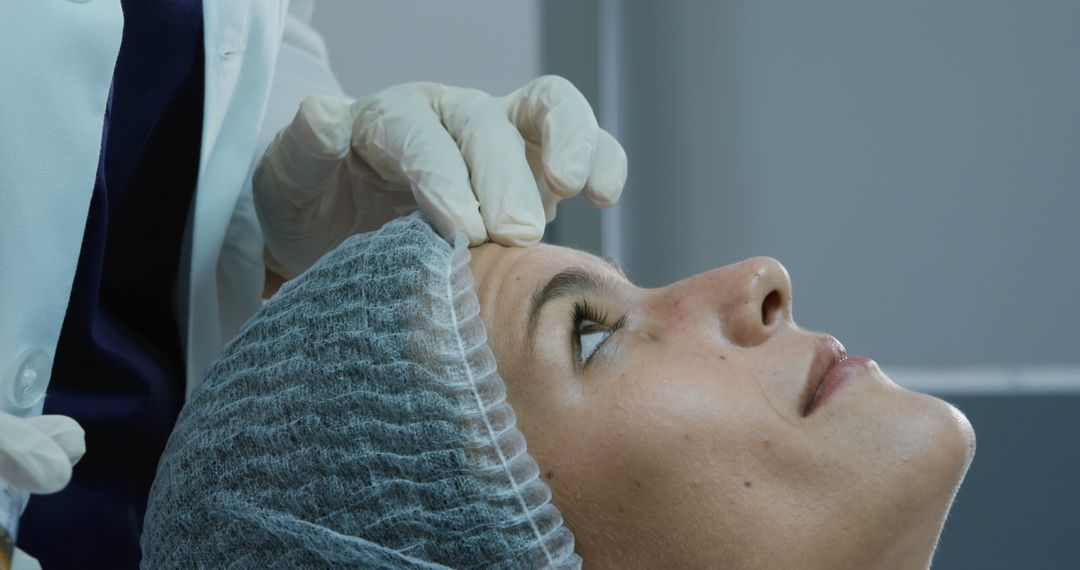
(914,164)
(492,45)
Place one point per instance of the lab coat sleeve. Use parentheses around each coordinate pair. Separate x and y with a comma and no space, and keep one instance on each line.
(302,69)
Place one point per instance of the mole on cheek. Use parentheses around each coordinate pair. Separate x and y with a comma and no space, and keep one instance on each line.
(549,475)
(747,484)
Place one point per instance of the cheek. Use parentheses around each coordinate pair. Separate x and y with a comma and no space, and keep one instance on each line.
(692,422)
(676,439)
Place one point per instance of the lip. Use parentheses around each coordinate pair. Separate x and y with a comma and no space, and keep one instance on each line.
(835,377)
(828,352)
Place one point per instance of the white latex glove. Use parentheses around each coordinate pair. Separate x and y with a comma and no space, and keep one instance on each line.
(20,560)
(491,167)
(38,453)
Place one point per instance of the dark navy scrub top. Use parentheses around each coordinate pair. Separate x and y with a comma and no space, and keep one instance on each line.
(119,365)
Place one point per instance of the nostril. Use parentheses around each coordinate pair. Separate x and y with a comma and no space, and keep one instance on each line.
(771,307)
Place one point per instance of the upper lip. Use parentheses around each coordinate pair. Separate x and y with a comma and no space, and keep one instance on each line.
(827,352)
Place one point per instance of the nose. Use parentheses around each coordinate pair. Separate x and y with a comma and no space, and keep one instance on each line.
(750,299)
(759,303)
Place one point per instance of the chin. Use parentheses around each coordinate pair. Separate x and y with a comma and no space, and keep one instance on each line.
(943,467)
(959,431)
(942,444)
(931,445)
(940,429)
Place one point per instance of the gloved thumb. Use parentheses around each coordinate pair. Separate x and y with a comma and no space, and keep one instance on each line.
(66,432)
(23,561)
(302,162)
(31,460)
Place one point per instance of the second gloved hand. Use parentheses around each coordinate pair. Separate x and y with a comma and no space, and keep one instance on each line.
(492,167)
(38,453)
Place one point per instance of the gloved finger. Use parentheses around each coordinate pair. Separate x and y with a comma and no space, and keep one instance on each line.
(549,199)
(301,163)
(23,561)
(551,111)
(608,174)
(495,155)
(65,431)
(29,459)
(402,137)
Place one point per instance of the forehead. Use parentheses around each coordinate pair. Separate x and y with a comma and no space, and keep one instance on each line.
(507,277)
(494,265)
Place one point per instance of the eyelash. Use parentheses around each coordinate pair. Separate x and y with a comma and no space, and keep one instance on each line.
(582,312)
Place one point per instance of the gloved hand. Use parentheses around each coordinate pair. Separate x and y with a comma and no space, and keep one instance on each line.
(38,453)
(22,561)
(492,167)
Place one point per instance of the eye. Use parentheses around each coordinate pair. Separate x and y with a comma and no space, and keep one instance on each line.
(590,335)
(590,332)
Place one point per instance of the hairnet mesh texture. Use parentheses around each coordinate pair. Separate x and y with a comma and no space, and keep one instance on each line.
(357,420)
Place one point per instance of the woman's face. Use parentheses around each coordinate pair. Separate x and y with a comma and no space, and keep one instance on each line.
(680,440)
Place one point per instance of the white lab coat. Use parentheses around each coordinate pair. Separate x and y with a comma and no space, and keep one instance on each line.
(56,66)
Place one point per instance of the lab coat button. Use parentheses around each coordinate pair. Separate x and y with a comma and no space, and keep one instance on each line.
(31,378)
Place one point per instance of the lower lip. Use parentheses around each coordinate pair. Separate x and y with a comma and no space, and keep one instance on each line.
(836,377)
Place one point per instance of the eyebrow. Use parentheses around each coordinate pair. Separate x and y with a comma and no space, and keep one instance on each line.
(571,281)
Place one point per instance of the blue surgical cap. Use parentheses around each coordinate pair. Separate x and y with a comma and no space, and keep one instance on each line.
(358,420)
